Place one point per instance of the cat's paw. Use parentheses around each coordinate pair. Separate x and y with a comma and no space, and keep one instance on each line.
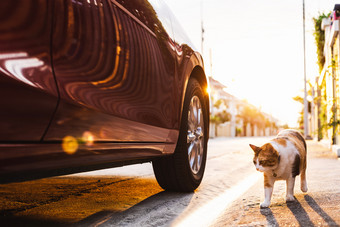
(290,198)
(304,187)
(264,204)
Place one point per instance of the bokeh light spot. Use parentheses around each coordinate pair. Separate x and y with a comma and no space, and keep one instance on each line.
(88,138)
(70,144)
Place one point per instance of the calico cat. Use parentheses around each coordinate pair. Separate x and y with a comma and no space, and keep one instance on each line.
(283,158)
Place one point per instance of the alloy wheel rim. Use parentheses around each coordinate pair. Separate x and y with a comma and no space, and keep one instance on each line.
(195,136)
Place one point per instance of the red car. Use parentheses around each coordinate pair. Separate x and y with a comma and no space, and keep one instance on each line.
(91,84)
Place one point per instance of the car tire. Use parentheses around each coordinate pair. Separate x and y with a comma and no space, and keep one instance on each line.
(183,171)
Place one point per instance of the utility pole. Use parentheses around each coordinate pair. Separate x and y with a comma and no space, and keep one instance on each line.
(305,101)
(210,55)
(202,29)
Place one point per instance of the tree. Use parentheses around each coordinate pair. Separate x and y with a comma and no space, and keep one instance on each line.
(319,36)
(220,117)
(251,115)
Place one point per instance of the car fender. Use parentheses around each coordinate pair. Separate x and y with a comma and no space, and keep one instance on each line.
(195,69)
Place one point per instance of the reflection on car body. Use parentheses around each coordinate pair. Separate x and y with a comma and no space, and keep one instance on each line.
(89,84)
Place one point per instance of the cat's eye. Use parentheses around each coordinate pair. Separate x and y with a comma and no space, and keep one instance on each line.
(261,162)
(254,162)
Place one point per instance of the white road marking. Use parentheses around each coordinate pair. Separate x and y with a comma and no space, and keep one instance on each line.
(206,214)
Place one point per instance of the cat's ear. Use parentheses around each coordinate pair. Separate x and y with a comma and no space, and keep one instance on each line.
(255,148)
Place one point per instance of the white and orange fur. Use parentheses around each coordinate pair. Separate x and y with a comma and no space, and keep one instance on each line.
(283,158)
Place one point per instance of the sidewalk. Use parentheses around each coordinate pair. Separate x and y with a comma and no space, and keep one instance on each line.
(320,206)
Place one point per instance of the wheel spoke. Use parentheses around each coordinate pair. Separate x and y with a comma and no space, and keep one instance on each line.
(191,137)
(195,164)
(198,156)
(190,150)
(195,136)
(192,108)
(201,147)
(191,125)
(192,155)
(192,118)
(195,112)
(199,114)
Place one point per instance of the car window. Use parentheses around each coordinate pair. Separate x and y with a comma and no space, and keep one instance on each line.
(154,14)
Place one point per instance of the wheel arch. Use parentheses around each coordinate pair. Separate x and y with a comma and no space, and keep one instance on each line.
(198,73)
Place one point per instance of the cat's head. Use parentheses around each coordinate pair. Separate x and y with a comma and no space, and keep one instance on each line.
(265,158)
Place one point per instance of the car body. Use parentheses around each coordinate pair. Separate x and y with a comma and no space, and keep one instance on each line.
(90,84)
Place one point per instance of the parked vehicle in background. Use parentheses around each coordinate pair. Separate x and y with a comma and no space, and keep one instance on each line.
(91,84)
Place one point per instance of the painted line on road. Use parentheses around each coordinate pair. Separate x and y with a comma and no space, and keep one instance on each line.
(206,214)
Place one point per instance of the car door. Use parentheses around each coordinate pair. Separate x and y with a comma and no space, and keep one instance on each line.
(114,66)
(28,94)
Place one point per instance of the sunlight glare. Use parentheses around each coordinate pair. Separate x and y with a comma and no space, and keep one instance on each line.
(207,213)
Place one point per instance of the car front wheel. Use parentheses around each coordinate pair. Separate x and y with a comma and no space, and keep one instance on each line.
(183,171)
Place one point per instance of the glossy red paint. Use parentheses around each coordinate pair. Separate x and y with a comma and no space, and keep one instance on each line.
(116,70)
(111,67)
(28,94)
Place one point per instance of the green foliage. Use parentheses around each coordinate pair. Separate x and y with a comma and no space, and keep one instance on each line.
(238,131)
(253,116)
(285,126)
(323,112)
(298,99)
(220,117)
(319,36)
(301,115)
(301,119)
(218,103)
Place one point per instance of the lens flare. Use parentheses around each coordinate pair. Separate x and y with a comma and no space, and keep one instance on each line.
(88,138)
(70,144)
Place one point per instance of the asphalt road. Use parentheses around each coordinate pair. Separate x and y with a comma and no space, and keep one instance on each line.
(229,195)
(320,206)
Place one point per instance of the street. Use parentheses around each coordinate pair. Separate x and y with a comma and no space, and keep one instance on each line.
(229,195)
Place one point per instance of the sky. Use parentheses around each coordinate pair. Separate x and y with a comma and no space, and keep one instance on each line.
(256,47)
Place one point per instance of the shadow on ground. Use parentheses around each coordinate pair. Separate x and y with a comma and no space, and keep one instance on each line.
(65,201)
(271,220)
(301,211)
(157,210)
(315,206)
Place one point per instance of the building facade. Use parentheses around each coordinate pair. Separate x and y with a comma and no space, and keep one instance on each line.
(231,116)
(327,105)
